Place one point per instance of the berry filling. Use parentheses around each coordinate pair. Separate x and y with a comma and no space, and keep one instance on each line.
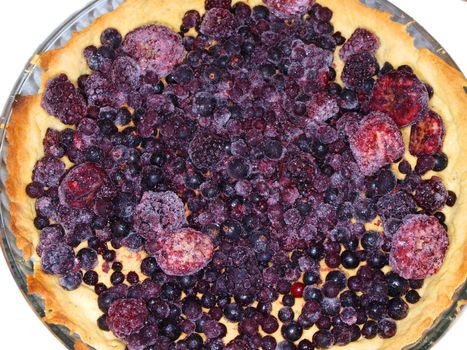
(239,174)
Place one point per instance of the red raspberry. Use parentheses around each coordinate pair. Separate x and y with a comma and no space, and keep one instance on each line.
(155,47)
(80,185)
(183,252)
(426,136)
(127,317)
(287,8)
(402,96)
(322,106)
(376,143)
(418,247)
(361,41)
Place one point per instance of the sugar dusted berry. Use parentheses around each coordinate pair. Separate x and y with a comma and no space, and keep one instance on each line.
(418,247)
(127,317)
(431,194)
(358,68)
(322,106)
(183,252)
(48,171)
(57,259)
(377,142)
(62,100)
(158,212)
(80,185)
(288,8)
(217,23)
(402,96)
(155,47)
(426,136)
(360,41)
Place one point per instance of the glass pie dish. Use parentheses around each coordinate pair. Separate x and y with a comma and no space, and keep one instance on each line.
(28,84)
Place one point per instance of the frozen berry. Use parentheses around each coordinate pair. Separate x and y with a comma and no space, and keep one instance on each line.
(80,185)
(426,136)
(222,4)
(418,247)
(183,252)
(360,41)
(377,142)
(127,317)
(402,96)
(358,68)
(155,47)
(62,100)
(217,23)
(57,259)
(431,194)
(71,281)
(48,172)
(158,212)
(322,106)
(288,8)
(206,150)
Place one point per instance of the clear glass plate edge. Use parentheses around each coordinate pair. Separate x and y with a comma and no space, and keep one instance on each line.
(28,83)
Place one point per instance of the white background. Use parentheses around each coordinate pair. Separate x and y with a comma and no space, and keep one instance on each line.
(25,24)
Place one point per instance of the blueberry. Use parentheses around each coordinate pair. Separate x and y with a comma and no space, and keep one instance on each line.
(349,259)
(233,312)
(412,296)
(292,331)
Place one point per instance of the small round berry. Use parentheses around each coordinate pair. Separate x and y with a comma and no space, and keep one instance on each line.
(297,289)
(292,331)
(91,278)
(412,296)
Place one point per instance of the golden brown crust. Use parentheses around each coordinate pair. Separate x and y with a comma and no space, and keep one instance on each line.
(78,310)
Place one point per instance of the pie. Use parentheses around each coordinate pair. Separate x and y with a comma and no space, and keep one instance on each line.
(201,175)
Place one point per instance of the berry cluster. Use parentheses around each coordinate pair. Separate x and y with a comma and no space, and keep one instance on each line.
(238,164)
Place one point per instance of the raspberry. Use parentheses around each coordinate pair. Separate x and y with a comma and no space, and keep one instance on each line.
(322,106)
(127,317)
(221,4)
(183,252)
(426,136)
(48,171)
(358,68)
(158,212)
(361,41)
(431,194)
(57,259)
(418,247)
(377,142)
(155,47)
(402,96)
(80,185)
(206,150)
(101,92)
(125,73)
(288,8)
(63,101)
(217,23)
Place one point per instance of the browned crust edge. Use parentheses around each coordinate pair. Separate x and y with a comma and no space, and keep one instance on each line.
(449,101)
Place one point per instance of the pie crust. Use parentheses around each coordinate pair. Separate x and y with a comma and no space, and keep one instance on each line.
(78,310)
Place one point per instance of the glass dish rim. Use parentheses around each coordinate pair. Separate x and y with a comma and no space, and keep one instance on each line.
(432,335)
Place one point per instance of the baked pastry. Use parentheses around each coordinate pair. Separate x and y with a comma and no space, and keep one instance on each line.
(248,171)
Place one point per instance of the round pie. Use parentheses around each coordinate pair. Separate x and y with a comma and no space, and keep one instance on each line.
(242,175)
